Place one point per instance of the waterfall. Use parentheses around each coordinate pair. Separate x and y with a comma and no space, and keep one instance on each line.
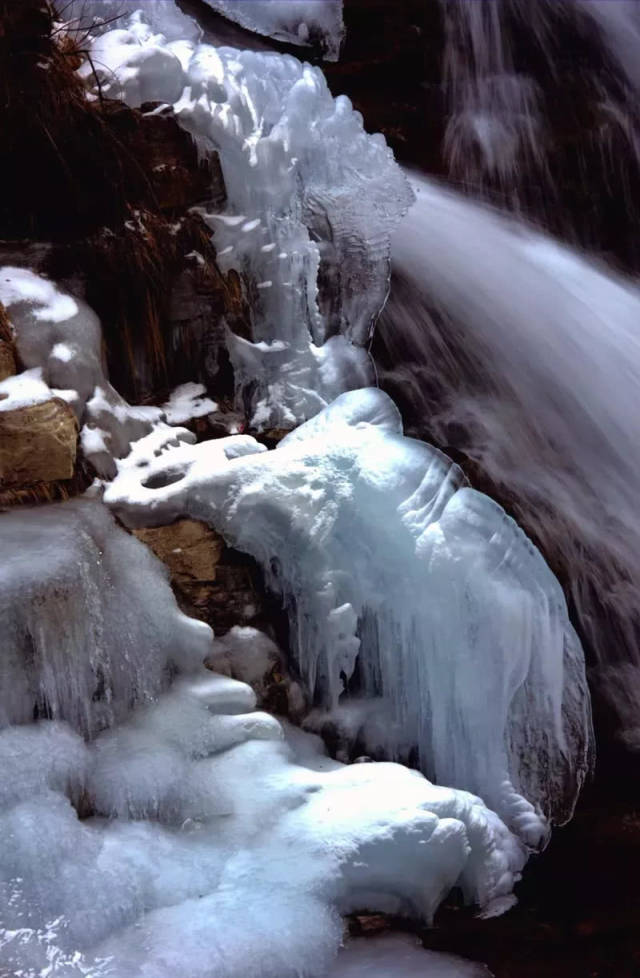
(541,112)
(524,356)
(155,822)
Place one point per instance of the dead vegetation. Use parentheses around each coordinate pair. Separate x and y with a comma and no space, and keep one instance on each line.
(110,186)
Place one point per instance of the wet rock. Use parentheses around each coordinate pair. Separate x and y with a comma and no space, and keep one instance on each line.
(233,598)
(8,364)
(7,360)
(190,549)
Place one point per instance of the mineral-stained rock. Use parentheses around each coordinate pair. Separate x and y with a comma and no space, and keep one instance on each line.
(7,360)
(37,443)
(7,353)
(212,582)
(190,549)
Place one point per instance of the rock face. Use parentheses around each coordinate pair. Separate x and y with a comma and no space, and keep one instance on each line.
(7,360)
(212,582)
(37,443)
(7,354)
(189,548)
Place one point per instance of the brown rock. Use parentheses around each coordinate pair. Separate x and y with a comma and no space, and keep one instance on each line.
(6,332)
(37,443)
(369,923)
(190,549)
(7,360)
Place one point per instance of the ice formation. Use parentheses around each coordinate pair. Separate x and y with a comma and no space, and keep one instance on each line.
(192,834)
(89,623)
(405,583)
(234,848)
(306,22)
(311,204)
(99,16)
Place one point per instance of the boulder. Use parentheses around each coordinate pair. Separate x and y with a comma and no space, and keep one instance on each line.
(37,443)
(190,549)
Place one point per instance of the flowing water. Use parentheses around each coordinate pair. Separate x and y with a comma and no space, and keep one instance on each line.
(524,356)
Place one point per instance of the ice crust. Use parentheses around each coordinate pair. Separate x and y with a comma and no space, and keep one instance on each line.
(402,581)
(234,849)
(305,22)
(89,623)
(311,203)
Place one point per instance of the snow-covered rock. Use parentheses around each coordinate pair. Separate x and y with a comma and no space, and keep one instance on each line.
(186,402)
(397,575)
(58,338)
(38,433)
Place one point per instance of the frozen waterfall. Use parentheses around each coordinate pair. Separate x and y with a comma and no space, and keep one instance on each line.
(311,204)
(392,568)
(156,823)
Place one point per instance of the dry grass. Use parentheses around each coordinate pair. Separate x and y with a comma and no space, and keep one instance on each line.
(78,172)
(66,169)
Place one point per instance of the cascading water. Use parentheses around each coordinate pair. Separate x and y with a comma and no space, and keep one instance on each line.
(525,357)
(541,112)
(494,129)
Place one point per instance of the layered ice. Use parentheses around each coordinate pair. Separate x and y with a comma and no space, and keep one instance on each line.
(307,22)
(89,623)
(236,844)
(95,17)
(401,583)
(311,204)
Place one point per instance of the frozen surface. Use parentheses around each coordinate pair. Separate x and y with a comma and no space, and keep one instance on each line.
(99,16)
(527,355)
(399,956)
(311,204)
(233,851)
(89,623)
(186,402)
(401,580)
(306,22)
